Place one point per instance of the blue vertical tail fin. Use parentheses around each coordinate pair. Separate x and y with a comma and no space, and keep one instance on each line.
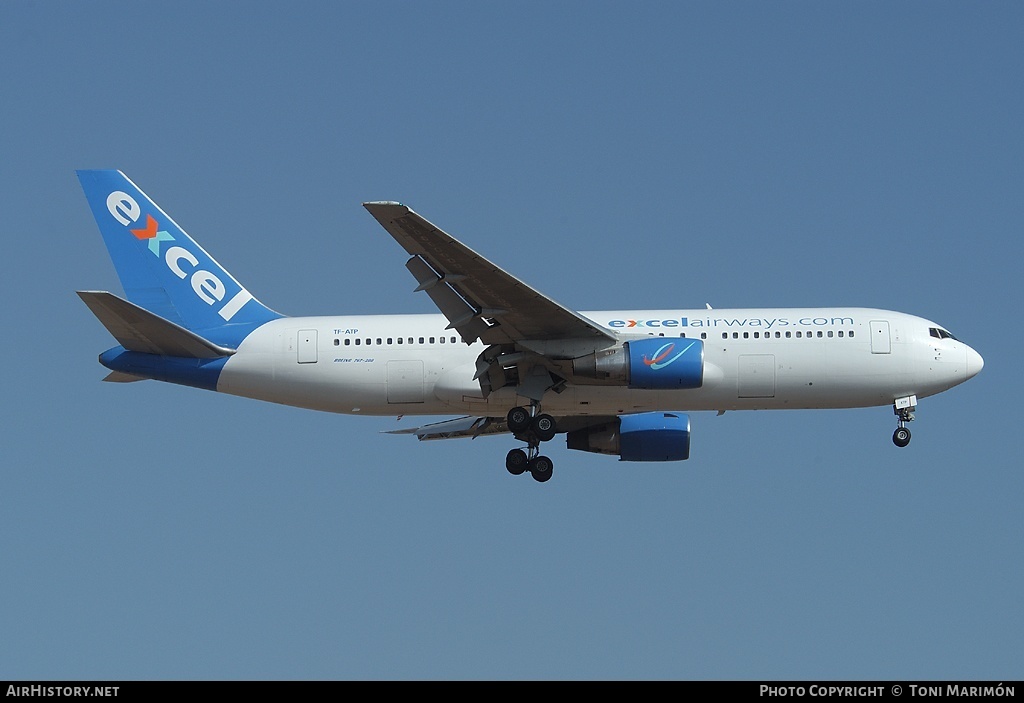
(163,269)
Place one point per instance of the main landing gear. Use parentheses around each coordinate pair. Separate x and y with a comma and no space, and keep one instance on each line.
(904,410)
(533,428)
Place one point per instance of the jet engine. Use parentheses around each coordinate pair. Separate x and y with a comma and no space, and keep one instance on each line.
(655,363)
(656,436)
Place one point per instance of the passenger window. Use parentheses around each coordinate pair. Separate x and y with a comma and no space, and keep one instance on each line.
(840,333)
(830,334)
(390,341)
(798,335)
(746,335)
(421,340)
(358,341)
(819,334)
(379,341)
(348,342)
(442,340)
(337,342)
(431,340)
(789,335)
(453,340)
(703,335)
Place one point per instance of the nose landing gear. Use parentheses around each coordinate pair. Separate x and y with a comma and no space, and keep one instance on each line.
(904,410)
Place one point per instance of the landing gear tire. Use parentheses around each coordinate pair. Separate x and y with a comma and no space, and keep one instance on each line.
(518,420)
(516,462)
(532,429)
(541,468)
(544,428)
(901,437)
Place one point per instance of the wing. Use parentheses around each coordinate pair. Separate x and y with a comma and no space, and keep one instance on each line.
(473,427)
(481,300)
(458,427)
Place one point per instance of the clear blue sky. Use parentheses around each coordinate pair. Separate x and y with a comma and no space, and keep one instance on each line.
(613,155)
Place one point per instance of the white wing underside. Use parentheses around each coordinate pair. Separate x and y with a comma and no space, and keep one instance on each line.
(473,427)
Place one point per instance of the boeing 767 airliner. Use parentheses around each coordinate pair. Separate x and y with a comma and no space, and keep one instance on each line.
(505,357)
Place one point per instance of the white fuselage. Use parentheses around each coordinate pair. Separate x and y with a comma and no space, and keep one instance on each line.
(753,359)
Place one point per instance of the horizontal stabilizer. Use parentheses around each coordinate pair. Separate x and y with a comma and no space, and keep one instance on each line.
(119,377)
(139,330)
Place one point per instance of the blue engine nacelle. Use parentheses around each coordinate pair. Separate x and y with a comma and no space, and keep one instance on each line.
(655,363)
(658,436)
(665,363)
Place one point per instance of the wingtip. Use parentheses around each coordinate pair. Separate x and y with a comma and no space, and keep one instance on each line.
(384,210)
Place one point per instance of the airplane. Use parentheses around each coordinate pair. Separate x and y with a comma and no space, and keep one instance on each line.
(500,355)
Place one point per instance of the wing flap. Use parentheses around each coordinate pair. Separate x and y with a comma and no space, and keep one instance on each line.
(461,315)
(137,329)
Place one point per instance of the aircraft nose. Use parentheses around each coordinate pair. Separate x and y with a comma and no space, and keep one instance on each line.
(974,363)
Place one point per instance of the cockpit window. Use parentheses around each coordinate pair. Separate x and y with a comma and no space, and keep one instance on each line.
(940,333)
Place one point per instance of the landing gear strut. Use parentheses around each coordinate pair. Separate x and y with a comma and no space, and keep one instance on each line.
(532,427)
(904,410)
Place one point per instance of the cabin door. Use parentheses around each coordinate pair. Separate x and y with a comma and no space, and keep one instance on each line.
(405,381)
(756,377)
(306,344)
(880,343)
